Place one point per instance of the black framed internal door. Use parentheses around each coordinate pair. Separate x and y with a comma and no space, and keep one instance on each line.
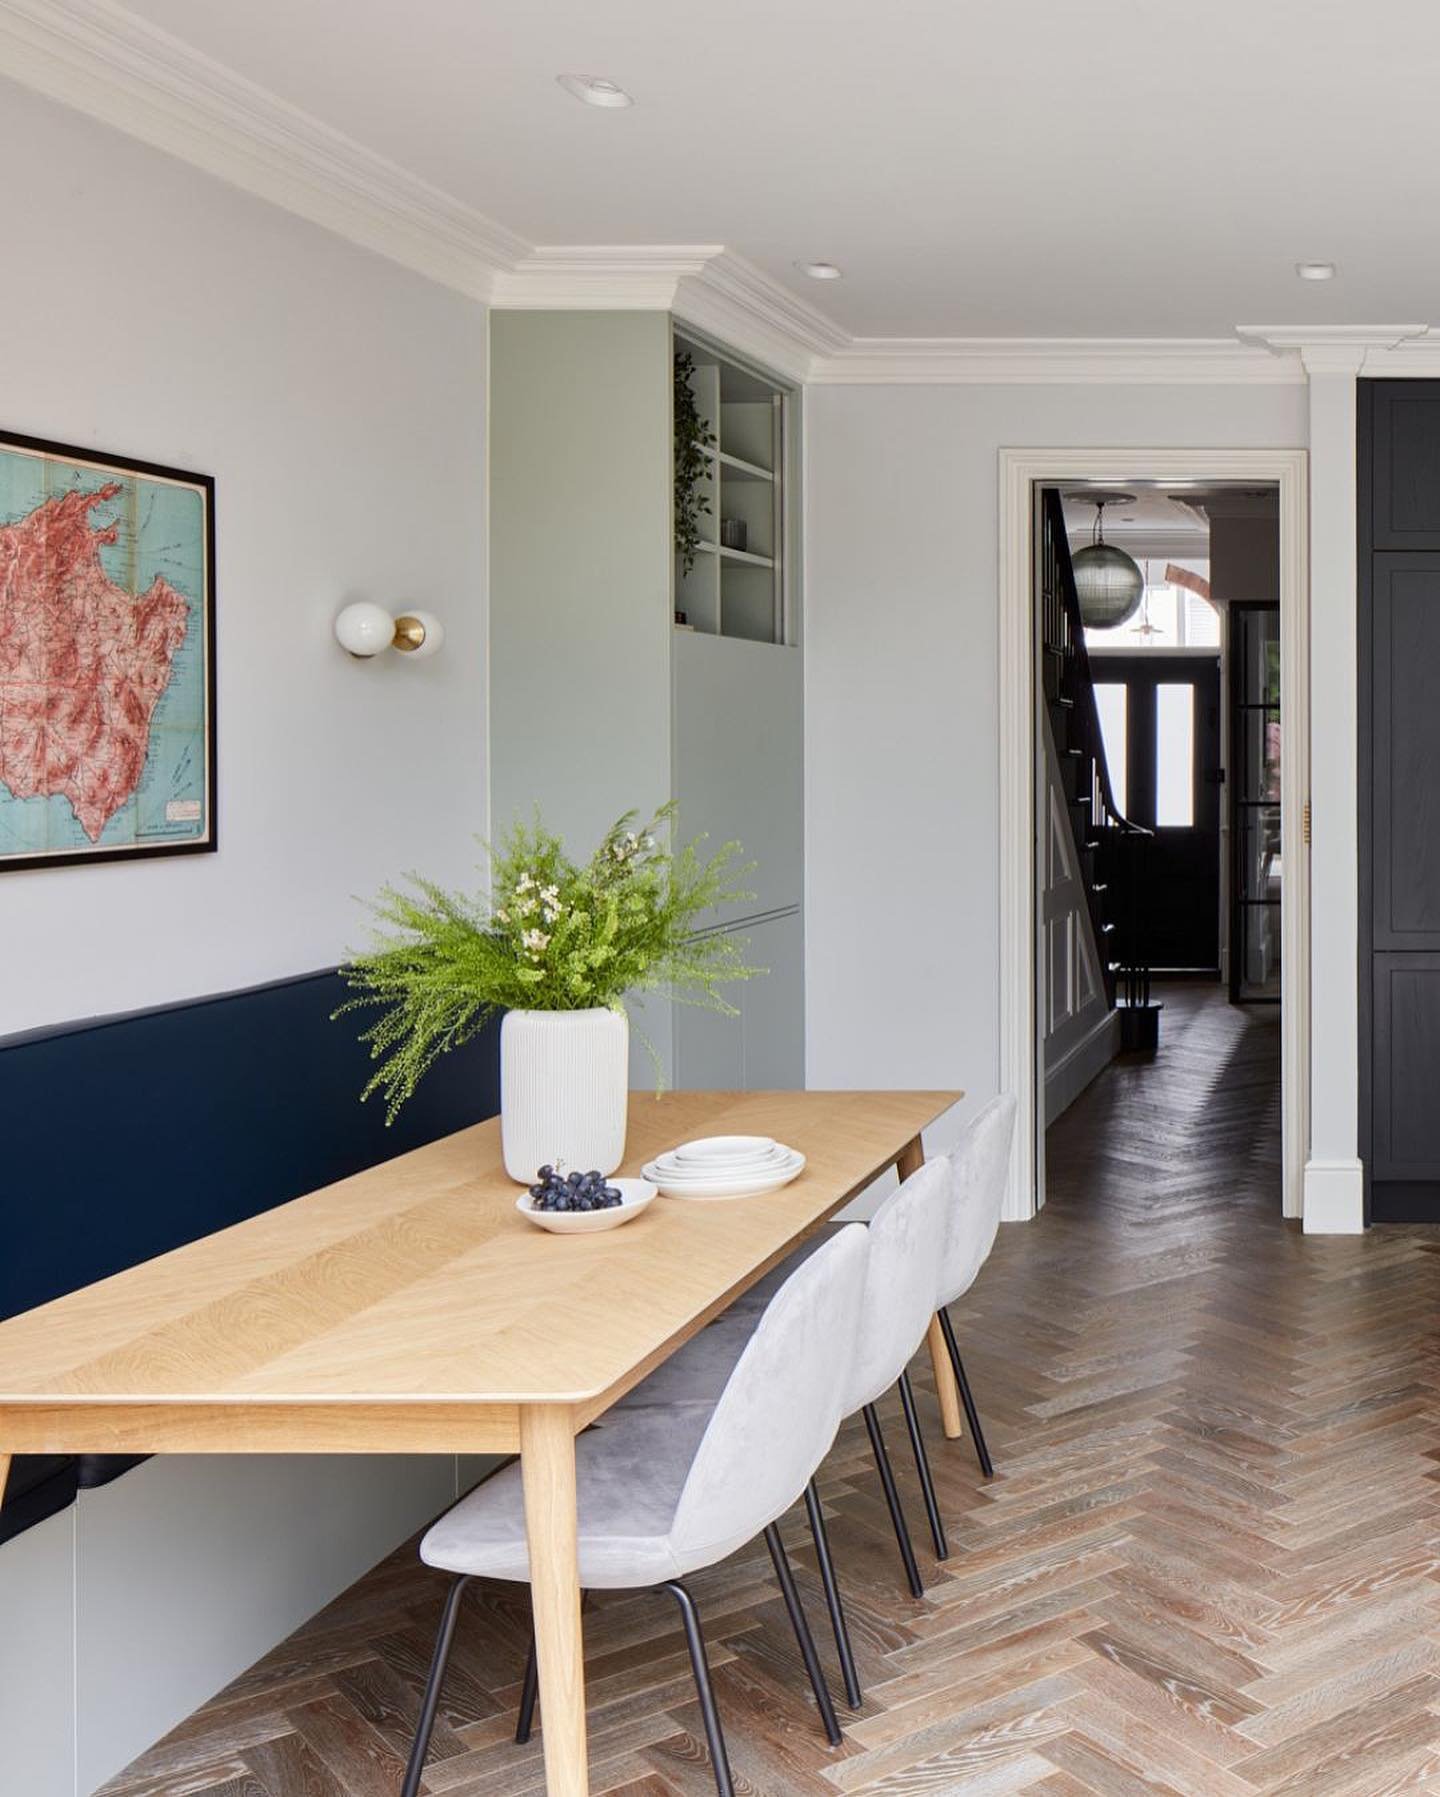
(1256,867)
(1162,733)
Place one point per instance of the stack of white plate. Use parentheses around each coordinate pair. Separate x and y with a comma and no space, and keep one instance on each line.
(725,1167)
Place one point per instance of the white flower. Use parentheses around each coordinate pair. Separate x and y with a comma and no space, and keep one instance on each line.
(502,915)
(525,882)
(550,894)
(535,941)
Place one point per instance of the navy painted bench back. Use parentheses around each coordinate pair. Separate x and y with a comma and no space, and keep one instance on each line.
(127,1136)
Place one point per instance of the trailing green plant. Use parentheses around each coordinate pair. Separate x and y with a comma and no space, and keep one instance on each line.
(693,438)
(553,935)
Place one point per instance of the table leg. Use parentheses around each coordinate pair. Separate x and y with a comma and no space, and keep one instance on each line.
(547,1465)
(4,1474)
(912,1159)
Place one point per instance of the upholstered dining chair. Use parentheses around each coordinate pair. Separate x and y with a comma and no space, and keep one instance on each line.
(908,1244)
(980,1167)
(666,1490)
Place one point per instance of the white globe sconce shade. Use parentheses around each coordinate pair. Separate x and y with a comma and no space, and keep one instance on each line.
(364,630)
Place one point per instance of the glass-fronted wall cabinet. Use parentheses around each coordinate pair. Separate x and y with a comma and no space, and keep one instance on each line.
(732,430)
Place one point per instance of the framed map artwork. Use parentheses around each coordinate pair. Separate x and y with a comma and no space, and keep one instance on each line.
(107,657)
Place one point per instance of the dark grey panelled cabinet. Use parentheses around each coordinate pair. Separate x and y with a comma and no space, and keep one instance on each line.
(1399,760)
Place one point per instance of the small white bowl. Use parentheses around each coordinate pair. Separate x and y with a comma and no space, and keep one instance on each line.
(710,1149)
(636,1195)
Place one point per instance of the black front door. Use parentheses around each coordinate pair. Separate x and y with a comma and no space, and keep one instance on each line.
(1162,720)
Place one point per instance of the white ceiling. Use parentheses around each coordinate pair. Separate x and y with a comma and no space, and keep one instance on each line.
(1012,168)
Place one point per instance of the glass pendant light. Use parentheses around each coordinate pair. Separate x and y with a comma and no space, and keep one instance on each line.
(1108,581)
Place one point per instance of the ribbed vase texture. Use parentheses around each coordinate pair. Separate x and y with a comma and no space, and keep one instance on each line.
(564,1078)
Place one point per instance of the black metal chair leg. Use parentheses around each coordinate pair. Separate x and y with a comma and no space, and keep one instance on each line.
(700,1666)
(972,1415)
(922,1466)
(853,1695)
(425,1727)
(892,1498)
(529,1691)
(803,1635)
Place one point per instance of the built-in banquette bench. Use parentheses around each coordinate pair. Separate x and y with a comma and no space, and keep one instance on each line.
(126,1136)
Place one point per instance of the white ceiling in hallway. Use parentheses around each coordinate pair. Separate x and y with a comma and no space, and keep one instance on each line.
(1011,168)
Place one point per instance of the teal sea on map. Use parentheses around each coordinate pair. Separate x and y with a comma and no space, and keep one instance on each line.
(161,532)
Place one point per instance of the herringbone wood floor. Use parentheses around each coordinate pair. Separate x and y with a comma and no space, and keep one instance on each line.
(1208,1563)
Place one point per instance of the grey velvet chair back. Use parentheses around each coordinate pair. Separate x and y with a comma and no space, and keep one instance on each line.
(779,1413)
(908,1238)
(980,1166)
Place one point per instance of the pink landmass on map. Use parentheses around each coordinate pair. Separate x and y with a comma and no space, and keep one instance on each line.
(82,662)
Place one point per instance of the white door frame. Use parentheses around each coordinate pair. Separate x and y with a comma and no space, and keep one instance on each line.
(1021,472)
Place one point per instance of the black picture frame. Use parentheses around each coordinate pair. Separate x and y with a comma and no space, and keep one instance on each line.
(103,461)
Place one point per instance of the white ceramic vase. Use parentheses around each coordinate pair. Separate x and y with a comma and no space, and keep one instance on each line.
(564,1079)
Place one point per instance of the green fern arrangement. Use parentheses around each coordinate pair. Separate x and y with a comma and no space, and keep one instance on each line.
(553,936)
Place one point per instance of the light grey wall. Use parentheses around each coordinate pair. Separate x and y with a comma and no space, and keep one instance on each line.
(37,1660)
(901,651)
(339,402)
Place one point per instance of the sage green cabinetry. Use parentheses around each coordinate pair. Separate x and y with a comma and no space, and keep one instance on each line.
(598,701)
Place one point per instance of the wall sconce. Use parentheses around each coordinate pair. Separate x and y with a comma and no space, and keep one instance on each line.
(363,630)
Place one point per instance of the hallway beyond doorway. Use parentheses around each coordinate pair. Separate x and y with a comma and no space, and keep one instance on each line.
(1207,1103)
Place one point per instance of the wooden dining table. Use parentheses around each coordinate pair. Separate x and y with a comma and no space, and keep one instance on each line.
(412,1309)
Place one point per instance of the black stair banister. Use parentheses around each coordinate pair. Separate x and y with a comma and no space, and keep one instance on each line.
(1112,850)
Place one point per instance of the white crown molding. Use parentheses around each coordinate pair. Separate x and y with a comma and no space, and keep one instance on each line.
(739,303)
(1151,545)
(947,361)
(96,56)
(103,60)
(1347,348)
(705,285)
(602,277)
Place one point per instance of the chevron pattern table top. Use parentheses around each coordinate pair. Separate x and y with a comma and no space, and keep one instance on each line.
(1209,1564)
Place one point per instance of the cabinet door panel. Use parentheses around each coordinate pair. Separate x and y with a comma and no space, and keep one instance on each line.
(772,1007)
(1406,1129)
(709,1051)
(1406,489)
(739,767)
(763,1049)
(1405,720)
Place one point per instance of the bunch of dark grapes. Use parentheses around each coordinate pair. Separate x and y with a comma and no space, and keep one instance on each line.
(573,1191)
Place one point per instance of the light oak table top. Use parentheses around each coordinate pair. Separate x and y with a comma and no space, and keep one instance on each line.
(418,1282)
(411,1308)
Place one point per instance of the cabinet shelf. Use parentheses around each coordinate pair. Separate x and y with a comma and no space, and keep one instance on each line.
(741,478)
(734,467)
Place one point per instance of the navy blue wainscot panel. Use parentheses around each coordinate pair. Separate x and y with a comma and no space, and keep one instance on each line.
(127,1136)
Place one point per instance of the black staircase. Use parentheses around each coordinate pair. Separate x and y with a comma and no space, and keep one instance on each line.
(1112,852)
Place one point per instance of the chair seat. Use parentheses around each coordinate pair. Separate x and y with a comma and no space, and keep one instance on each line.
(699,1372)
(760,1294)
(630,1471)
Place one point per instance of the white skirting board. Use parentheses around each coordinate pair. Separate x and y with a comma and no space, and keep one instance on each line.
(1068,1078)
(126,1612)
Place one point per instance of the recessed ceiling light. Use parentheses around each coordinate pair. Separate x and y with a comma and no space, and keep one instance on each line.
(1315,271)
(595,90)
(820,271)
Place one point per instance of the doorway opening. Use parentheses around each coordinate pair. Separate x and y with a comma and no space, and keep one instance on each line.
(1158,746)
(1161,791)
